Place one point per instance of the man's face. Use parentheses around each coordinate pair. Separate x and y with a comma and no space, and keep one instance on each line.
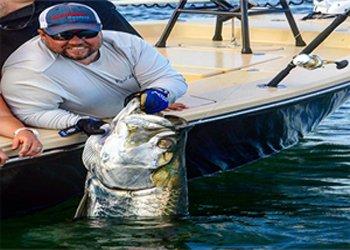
(76,45)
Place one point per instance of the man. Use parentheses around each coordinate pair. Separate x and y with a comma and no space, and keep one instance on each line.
(18,24)
(73,70)
(19,20)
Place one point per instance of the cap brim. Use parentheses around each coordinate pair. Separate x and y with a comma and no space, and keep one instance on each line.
(78,26)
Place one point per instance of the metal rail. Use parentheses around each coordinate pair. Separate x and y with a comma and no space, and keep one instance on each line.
(225,11)
(129,2)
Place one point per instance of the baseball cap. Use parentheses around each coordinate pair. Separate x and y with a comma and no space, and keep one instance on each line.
(69,16)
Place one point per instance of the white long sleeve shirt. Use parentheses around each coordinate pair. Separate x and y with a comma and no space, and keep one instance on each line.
(47,90)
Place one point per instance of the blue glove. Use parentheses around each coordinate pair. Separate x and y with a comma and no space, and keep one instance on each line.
(154,100)
(90,126)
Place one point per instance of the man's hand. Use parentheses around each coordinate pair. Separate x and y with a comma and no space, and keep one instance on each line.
(177,106)
(3,158)
(151,100)
(90,126)
(27,142)
(154,100)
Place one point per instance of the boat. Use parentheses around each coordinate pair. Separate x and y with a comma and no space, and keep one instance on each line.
(247,99)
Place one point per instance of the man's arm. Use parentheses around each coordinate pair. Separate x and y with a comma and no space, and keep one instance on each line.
(34,100)
(23,138)
(51,119)
(152,70)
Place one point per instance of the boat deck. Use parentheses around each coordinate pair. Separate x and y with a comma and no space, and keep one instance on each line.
(222,80)
(225,80)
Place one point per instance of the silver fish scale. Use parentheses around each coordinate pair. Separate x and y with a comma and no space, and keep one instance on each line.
(153,202)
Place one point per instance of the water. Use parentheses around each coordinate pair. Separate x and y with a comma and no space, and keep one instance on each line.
(297,199)
(144,13)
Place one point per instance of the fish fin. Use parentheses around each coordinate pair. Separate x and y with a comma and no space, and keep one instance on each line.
(82,208)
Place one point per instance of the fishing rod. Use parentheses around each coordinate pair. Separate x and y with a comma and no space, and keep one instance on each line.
(311,47)
(303,59)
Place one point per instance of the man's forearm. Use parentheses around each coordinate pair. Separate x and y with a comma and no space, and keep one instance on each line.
(51,119)
(176,86)
(9,124)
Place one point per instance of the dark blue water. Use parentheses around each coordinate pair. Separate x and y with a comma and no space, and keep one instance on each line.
(298,199)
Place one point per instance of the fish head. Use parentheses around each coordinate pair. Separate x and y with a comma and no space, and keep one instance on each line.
(141,151)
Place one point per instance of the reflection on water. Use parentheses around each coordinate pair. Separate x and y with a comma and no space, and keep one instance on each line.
(110,233)
(297,199)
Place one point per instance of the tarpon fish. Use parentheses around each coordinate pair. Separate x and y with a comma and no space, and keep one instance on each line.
(136,169)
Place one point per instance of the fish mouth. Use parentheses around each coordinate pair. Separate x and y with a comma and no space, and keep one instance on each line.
(119,189)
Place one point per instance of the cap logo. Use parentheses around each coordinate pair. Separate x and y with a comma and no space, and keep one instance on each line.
(80,14)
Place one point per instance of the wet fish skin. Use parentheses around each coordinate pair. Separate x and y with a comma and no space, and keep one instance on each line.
(137,169)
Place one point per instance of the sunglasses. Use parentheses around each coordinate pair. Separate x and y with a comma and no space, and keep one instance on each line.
(21,25)
(67,35)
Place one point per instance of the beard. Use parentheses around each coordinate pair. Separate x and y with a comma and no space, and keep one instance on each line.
(78,53)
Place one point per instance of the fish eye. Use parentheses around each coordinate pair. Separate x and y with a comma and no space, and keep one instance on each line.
(165,143)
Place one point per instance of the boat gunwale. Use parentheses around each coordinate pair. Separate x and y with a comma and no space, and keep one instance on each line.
(235,113)
(270,105)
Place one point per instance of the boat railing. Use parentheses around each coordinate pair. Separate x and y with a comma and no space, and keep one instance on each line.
(148,2)
(224,11)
